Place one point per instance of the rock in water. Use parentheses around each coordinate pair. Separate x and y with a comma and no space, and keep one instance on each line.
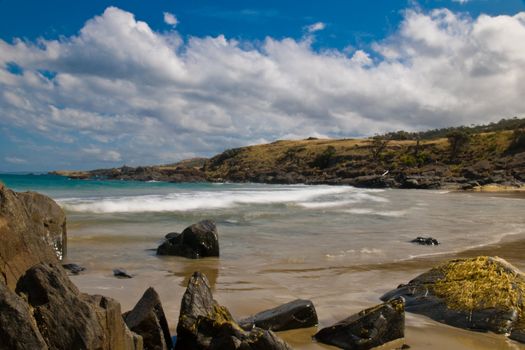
(204,324)
(196,241)
(425,241)
(46,213)
(482,293)
(295,314)
(18,330)
(120,273)
(148,320)
(75,269)
(68,319)
(367,329)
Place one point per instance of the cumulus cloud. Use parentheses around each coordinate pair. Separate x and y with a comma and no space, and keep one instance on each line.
(119,91)
(169,18)
(318,26)
(461,1)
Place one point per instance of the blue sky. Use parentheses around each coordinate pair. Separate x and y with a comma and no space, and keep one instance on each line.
(88,84)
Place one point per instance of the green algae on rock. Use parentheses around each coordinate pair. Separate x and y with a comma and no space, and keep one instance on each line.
(482,293)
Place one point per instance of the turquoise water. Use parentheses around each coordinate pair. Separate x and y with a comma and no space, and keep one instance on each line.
(340,246)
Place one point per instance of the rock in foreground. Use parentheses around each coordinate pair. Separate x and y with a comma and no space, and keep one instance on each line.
(367,329)
(196,241)
(483,294)
(295,314)
(425,241)
(68,319)
(204,324)
(148,320)
(47,214)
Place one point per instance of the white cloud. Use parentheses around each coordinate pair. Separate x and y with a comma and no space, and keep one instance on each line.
(15,160)
(318,26)
(461,1)
(169,18)
(123,92)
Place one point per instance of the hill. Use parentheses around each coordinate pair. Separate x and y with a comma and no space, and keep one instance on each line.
(464,158)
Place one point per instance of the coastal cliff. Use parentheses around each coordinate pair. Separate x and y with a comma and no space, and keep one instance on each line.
(455,158)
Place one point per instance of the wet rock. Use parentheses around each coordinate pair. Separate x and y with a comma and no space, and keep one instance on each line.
(148,320)
(47,214)
(204,324)
(68,319)
(295,314)
(367,329)
(196,241)
(21,243)
(75,269)
(425,241)
(18,330)
(121,273)
(482,294)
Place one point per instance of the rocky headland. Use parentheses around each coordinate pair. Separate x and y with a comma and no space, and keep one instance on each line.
(490,157)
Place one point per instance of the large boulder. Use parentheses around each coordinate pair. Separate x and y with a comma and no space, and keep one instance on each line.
(22,241)
(483,294)
(47,214)
(204,324)
(18,330)
(367,329)
(148,320)
(196,241)
(68,319)
(295,314)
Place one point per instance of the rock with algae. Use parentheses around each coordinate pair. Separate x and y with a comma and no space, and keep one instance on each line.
(204,324)
(482,293)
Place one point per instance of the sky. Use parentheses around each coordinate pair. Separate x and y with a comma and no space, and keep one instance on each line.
(92,84)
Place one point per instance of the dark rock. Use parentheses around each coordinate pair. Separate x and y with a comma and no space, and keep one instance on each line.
(518,335)
(47,214)
(148,320)
(425,241)
(120,273)
(21,243)
(204,324)
(196,241)
(295,314)
(68,319)
(482,294)
(18,330)
(172,235)
(75,269)
(367,329)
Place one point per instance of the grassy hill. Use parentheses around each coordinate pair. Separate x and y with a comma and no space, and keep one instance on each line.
(464,157)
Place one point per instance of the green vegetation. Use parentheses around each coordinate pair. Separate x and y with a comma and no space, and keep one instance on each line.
(458,140)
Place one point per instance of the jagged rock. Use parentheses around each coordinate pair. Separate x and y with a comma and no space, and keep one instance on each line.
(482,293)
(120,273)
(367,329)
(204,324)
(425,241)
(295,314)
(148,320)
(75,269)
(46,213)
(21,240)
(18,330)
(196,241)
(68,319)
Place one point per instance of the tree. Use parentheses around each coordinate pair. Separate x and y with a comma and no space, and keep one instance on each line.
(458,140)
(517,140)
(377,146)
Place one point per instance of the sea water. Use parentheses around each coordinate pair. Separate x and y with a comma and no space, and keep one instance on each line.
(340,246)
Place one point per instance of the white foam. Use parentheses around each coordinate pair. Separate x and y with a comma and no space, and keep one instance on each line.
(197,200)
(387,213)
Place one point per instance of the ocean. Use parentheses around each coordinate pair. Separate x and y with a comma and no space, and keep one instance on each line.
(340,246)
